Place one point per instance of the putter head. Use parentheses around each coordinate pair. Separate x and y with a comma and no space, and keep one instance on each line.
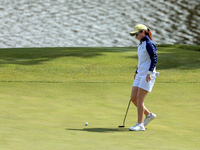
(121,126)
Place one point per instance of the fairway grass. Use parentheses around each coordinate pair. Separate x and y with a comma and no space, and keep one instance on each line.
(47,95)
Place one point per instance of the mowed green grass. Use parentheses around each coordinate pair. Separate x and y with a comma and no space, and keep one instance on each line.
(47,95)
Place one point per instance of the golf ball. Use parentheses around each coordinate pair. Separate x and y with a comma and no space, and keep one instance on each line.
(86,123)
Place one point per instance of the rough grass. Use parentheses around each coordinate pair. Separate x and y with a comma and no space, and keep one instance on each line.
(47,95)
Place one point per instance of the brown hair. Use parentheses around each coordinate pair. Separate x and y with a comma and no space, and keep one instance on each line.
(148,32)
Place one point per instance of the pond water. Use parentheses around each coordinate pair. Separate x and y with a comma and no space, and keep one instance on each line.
(98,23)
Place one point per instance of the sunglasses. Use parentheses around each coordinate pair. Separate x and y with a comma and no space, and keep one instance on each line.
(136,34)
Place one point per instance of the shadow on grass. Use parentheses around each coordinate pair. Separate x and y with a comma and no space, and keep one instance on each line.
(103,130)
(169,56)
(34,56)
(176,58)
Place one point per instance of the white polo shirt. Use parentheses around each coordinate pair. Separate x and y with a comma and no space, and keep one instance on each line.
(147,56)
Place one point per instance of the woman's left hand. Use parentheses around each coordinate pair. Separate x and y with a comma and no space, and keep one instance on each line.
(148,77)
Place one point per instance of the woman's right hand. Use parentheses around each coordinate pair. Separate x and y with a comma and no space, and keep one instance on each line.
(135,75)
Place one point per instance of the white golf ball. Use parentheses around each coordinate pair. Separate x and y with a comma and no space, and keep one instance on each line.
(86,123)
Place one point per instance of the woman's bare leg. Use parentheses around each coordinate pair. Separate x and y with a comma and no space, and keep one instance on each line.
(141,94)
(134,94)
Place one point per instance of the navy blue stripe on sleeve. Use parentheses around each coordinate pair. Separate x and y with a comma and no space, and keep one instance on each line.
(136,70)
(152,50)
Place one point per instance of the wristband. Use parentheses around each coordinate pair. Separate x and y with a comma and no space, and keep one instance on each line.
(149,72)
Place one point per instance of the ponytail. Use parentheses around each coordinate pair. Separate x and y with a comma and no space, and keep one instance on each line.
(148,32)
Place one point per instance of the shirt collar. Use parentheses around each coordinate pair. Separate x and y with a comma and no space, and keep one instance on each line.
(145,38)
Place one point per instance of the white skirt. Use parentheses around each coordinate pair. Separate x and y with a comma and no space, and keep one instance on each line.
(140,81)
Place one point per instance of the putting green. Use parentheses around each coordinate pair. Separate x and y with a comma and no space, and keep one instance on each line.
(47,95)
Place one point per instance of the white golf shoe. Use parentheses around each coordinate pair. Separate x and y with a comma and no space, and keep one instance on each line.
(149,118)
(137,127)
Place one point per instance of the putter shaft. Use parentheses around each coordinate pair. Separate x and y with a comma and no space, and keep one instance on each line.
(126,114)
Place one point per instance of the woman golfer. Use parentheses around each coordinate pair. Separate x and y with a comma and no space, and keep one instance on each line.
(145,75)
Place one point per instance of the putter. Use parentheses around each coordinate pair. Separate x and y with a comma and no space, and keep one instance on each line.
(125,116)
